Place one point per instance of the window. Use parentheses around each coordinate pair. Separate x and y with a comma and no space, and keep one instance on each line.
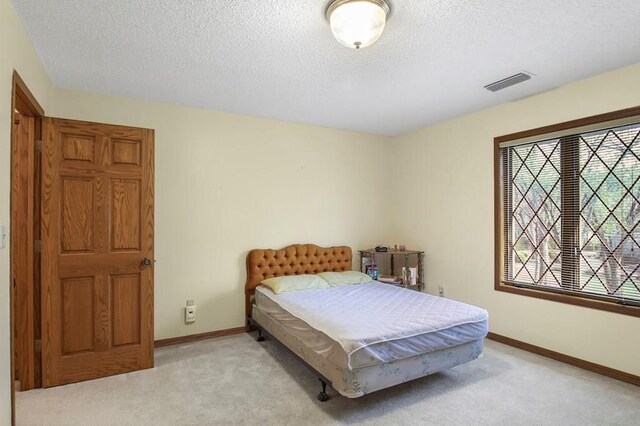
(568,212)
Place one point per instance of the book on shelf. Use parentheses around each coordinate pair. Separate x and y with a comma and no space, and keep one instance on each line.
(390,279)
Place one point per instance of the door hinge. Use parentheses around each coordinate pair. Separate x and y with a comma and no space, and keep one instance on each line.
(38,145)
(38,345)
(37,246)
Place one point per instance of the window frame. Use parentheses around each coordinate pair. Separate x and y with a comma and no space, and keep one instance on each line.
(587,300)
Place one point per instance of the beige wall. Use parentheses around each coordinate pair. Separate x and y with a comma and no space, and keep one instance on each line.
(16,52)
(227,183)
(447,172)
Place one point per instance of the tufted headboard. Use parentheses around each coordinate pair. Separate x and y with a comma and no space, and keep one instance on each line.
(295,259)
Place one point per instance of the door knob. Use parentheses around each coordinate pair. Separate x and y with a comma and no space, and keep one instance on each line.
(146,261)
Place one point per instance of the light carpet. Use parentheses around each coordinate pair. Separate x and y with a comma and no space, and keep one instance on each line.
(237,381)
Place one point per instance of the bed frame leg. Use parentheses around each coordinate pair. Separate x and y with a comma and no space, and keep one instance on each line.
(322,396)
(260,337)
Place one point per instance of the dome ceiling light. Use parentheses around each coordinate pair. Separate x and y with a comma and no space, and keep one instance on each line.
(357,23)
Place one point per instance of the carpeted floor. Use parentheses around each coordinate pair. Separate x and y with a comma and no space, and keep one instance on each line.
(235,380)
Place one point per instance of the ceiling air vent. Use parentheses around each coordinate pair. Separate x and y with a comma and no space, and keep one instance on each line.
(507,82)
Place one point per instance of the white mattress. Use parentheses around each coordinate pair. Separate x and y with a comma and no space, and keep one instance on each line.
(360,325)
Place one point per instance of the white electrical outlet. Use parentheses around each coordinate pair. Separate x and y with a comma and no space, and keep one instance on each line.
(190,312)
(441,291)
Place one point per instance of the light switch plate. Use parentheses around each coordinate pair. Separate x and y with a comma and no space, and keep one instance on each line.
(3,236)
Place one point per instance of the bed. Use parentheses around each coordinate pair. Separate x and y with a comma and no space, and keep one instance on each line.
(359,338)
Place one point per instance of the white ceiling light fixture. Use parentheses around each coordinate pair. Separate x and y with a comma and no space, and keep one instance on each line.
(357,23)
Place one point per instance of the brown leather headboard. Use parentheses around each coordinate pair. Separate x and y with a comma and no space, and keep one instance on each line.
(295,259)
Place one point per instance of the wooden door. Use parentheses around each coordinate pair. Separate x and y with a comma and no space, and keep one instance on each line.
(22,256)
(97,231)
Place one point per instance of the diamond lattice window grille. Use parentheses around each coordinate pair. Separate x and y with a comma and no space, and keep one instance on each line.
(570,209)
(610,212)
(536,213)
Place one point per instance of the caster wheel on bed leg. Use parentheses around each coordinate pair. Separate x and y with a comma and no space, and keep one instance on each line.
(322,396)
(260,337)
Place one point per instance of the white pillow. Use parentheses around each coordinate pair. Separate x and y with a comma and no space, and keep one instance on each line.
(344,278)
(294,282)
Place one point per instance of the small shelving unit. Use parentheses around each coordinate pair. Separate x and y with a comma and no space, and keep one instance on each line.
(407,258)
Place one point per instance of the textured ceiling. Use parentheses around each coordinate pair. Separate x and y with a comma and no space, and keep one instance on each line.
(278,59)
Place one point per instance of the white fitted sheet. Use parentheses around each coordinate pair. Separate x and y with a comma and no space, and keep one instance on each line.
(360,325)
